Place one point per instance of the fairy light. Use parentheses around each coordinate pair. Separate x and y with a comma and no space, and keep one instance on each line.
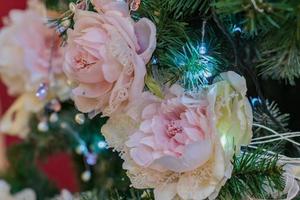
(202,48)
(236,29)
(102,145)
(255,102)
(91,158)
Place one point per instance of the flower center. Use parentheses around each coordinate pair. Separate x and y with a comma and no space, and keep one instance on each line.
(82,63)
(174,128)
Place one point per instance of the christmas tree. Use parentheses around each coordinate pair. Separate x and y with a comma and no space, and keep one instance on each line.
(153,99)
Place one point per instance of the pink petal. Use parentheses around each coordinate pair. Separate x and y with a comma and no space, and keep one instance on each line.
(111,68)
(195,155)
(192,117)
(138,82)
(92,90)
(148,141)
(125,27)
(145,32)
(159,131)
(193,133)
(149,111)
(142,156)
(104,6)
(85,105)
(146,126)
(134,139)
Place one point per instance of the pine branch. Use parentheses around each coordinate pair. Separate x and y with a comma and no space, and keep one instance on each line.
(256,16)
(254,175)
(133,194)
(195,65)
(280,54)
(23,172)
(186,8)
(262,118)
(58,5)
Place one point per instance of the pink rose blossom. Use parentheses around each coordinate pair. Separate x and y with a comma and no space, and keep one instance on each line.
(175,134)
(106,56)
(30,51)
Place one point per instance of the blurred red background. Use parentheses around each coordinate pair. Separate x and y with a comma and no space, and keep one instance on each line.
(59,168)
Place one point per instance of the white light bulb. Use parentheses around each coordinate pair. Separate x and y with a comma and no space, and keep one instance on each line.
(102,144)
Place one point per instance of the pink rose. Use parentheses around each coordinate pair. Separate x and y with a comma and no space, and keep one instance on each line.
(30,51)
(175,134)
(107,55)
(170,145)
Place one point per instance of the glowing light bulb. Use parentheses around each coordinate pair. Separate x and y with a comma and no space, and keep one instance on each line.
(91,159)
(202,49)
(102,145)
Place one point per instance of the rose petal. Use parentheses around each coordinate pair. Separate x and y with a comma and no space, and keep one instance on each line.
(190,159)
(145,32)
(92,90)
(142,156)
(165,192)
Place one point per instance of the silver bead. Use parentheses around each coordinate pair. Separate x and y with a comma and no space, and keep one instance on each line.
(43,126)
(80,118)
(80,149)
(86,176)
(53,117)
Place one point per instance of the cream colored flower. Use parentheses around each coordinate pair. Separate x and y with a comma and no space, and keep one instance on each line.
(26,194)
(15,121)
(231,111)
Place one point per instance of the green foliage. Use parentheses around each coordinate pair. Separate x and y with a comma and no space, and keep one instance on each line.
(171,33)
(116,195)
(23,172)
(274,30)
(186,9)
(261,117)
(254,173)
(59,5)
(193,68)
(65,135)
(280,54)
(256,16)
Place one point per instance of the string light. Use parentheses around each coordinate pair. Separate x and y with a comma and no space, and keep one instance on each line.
(102,145)
(80,149)
(203,49)
(236,29)
(255,102)
(91,158)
